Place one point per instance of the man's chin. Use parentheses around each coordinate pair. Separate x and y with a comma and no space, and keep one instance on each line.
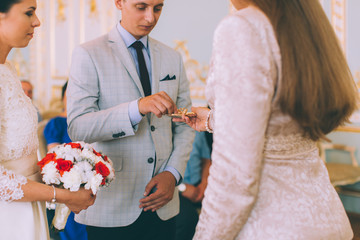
(145,32)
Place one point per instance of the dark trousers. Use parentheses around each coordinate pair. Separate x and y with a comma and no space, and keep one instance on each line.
(147,227)
(187,219)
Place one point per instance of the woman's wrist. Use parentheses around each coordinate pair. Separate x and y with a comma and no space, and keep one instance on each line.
(208,122)
(52,202)
(62,195)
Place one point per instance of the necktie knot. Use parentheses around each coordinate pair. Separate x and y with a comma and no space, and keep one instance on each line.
(137,45)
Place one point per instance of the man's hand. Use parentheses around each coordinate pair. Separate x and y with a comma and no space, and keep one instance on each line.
(164,186)
(158,104)
(201,190)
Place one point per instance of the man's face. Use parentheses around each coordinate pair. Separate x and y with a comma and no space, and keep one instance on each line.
(139,17)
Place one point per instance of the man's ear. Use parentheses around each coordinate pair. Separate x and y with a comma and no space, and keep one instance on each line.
(118,4)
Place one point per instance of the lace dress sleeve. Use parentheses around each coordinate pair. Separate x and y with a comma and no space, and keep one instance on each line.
(244,83)
(10,185)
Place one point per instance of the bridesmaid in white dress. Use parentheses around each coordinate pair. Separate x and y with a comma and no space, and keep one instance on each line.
(278,82)
(22,197)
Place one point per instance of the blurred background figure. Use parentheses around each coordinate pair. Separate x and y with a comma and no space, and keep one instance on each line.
(28,90)
(55,133)
(193,187)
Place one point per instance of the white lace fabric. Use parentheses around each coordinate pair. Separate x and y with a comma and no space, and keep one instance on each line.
(10,185)
(266,180)
(18,137)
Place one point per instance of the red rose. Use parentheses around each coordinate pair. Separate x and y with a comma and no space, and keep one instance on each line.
(96,153)
(103,181)
(63,165)
(74,145)
(102,169)
(48,158)
(106,159)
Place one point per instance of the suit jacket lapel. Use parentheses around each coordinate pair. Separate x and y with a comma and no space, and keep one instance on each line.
(122,53)
(155,68)
(155,65)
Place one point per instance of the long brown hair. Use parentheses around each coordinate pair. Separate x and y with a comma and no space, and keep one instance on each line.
(317,87)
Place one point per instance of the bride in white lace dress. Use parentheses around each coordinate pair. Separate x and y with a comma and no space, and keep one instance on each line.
(22,197)
(278,82)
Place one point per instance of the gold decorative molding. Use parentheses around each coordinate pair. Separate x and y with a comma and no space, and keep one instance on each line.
(338,20)
(195,71)
(352,129)
(61,11)
(20,64)
(93,9)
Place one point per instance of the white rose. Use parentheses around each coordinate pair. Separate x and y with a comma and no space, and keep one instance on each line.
(56,148)
(87,146)
(85,168)
(111,176)
(72,179)
(68,157)
(94,182)
(51,174)
(88,155)
(98,159)
(60,151)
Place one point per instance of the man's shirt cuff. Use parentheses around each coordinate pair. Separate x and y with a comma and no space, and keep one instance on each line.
(134,114)
(175,173)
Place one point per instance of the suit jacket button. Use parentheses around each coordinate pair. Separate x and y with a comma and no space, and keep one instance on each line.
(150,160)
(152,128)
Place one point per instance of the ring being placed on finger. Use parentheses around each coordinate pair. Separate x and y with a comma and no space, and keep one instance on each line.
(181,112)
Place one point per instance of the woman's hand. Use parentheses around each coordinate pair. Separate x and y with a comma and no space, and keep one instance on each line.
(79,200)
(198,122)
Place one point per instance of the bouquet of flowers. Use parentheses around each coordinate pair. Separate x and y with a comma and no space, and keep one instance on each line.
(71,166)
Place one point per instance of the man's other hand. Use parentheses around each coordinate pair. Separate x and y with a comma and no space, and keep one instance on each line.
(164,186)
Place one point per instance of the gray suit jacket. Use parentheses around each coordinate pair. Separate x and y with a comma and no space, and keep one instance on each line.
(103,80)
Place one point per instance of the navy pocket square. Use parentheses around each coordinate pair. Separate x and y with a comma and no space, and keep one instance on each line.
(167,78)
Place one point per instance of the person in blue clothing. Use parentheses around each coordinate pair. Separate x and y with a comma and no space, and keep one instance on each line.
(55,133)
(193,186)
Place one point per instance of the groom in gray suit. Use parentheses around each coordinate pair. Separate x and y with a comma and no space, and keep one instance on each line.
(122,87)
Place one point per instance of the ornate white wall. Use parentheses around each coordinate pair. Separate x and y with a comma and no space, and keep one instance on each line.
(188,26)
(65,24)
